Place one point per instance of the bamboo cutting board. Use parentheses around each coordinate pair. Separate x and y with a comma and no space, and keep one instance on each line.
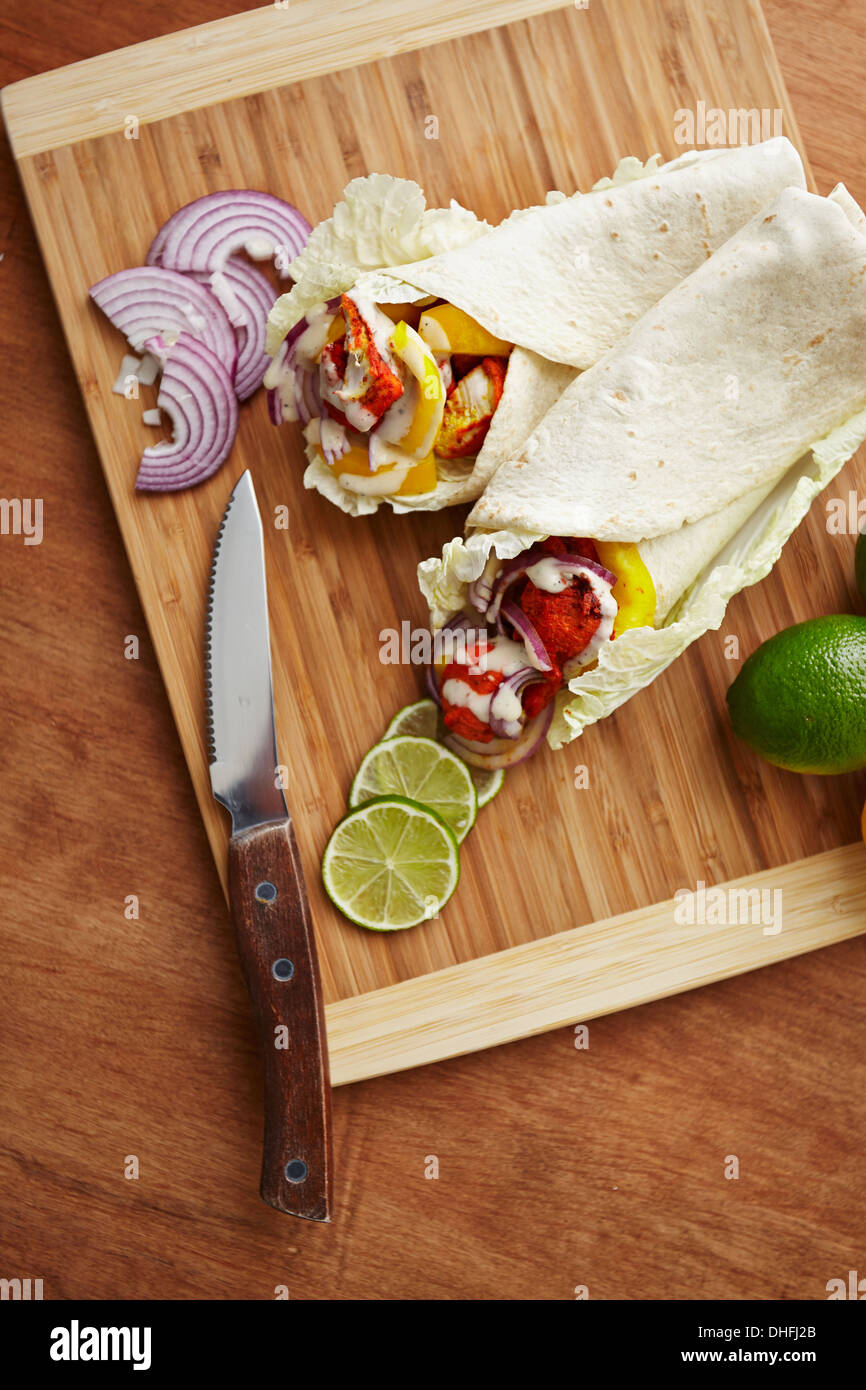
(564,909)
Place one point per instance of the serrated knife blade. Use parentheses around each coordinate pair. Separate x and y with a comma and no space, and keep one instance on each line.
(270,908)
(243,738)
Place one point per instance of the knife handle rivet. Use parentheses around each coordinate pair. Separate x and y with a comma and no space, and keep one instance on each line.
(282,969)
(296,1170)
(266,892)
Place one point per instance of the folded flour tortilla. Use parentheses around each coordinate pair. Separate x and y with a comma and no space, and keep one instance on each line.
(564,281)
(703,437)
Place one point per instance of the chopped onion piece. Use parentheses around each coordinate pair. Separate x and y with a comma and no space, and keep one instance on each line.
(128,369)
(148,370)
(151,417)
(280,378)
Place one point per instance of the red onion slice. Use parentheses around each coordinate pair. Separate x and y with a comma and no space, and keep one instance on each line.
(275,407)
(575,564)
(511,571)
(148,301)
(516,568)
(205,233)
(460,622)
(308,396)
(196,393)
(283,367)
(535,648)
(502,725)
(247,297)
(502,752)
(472,644)
(600,580)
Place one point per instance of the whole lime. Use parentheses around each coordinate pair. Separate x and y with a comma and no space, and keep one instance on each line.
(860,563)
(800,699)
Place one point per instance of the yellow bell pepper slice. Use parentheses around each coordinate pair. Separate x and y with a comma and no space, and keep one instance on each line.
(445,328)
(421,477)
(355,460)
(395,312)
(634,590)
(427,419)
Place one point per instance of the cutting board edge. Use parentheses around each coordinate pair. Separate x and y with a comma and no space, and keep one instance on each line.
(588,971)
(234,57)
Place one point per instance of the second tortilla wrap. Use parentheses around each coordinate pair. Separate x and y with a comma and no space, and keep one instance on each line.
(748,469)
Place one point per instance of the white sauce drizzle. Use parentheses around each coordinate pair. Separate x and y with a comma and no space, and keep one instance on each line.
(502,655)
(547,574)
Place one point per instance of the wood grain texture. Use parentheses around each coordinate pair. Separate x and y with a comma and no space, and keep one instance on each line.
(695,803)
(134,1036)
(277,949)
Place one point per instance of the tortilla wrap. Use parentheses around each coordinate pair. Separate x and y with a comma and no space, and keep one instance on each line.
(569,279)
(564,281)
(717,390)
(806,274)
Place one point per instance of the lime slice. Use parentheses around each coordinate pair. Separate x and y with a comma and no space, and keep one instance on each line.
(423,719)
(422,770)
(391,864)
(487,784)
(420,719)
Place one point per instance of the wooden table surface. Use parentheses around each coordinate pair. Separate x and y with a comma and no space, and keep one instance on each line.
(558,1166)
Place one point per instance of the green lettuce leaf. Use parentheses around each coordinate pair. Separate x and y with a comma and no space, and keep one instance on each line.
(381,221)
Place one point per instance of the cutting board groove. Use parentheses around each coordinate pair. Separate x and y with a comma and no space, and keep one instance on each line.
(551,100)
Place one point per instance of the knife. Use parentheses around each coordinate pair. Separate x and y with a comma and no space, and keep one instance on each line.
(269,903)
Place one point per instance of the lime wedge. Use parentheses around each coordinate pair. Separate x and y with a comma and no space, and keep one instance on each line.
(487,784)
(391,864)
(424,720)
(420,719)
(422,770)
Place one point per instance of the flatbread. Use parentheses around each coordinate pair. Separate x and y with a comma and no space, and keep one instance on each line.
(715,393)
(569,279)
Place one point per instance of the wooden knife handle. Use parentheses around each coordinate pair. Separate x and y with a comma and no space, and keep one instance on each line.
(277,948)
